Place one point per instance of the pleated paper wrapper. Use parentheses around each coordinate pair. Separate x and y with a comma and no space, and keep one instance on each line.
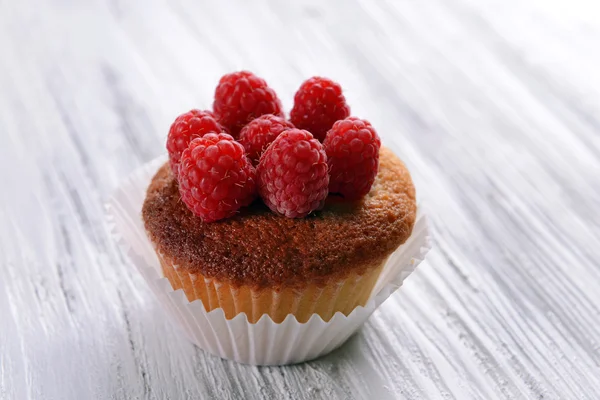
(263,342)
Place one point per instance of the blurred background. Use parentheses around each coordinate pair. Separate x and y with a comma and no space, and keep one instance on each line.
(493,105)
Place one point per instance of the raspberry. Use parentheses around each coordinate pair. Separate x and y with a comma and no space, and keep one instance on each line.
(317,105)
(186,127)
(215,177)
(292,174)
(242,96)
(352,148)
(259,133)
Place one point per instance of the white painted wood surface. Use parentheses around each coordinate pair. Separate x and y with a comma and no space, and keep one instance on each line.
(494,105)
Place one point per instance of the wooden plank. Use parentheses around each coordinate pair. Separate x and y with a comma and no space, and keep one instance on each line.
(493,105)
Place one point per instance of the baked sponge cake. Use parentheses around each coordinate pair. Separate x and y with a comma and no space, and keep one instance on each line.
(258,262)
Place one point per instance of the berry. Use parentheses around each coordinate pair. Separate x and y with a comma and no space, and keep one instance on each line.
(215,177)
(318,104)
(242,96)
(259,133)
(186,127)
(292,174)
(352,148)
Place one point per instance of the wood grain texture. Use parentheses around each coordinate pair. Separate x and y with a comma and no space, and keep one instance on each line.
(494,106)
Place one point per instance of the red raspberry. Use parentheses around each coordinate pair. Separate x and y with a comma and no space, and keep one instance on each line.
(215,177)
(292,174)
(317,105)
(242,96)
(186,127)
(352,147)
(259,133)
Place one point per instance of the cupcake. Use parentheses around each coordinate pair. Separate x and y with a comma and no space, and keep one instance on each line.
(269,244)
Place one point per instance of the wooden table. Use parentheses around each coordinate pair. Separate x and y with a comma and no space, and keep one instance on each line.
(494,105)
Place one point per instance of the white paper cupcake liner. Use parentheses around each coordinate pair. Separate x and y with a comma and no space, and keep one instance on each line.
(264,342)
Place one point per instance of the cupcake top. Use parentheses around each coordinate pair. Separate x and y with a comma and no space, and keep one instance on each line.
(258,248)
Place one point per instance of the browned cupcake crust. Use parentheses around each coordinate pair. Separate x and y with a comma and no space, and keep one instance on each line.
(260,249)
